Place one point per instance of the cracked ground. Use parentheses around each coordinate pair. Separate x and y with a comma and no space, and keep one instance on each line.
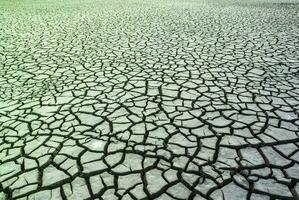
(137,99)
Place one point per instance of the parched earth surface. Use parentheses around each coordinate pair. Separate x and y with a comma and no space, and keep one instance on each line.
(151,99)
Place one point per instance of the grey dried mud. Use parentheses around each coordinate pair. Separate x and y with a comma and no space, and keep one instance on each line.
(151,99)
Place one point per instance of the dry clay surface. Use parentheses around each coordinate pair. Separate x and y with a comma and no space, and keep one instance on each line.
(148,99)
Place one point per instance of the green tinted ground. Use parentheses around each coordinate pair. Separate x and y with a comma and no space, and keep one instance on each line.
(149,99)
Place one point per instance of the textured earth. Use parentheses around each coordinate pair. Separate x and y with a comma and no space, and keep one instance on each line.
(148,99)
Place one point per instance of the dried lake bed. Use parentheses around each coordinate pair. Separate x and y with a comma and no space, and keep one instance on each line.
(135,99)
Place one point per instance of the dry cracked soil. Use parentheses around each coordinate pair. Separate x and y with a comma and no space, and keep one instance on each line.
(148,99)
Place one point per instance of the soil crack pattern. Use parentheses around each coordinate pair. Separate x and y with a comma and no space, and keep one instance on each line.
(153,99)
